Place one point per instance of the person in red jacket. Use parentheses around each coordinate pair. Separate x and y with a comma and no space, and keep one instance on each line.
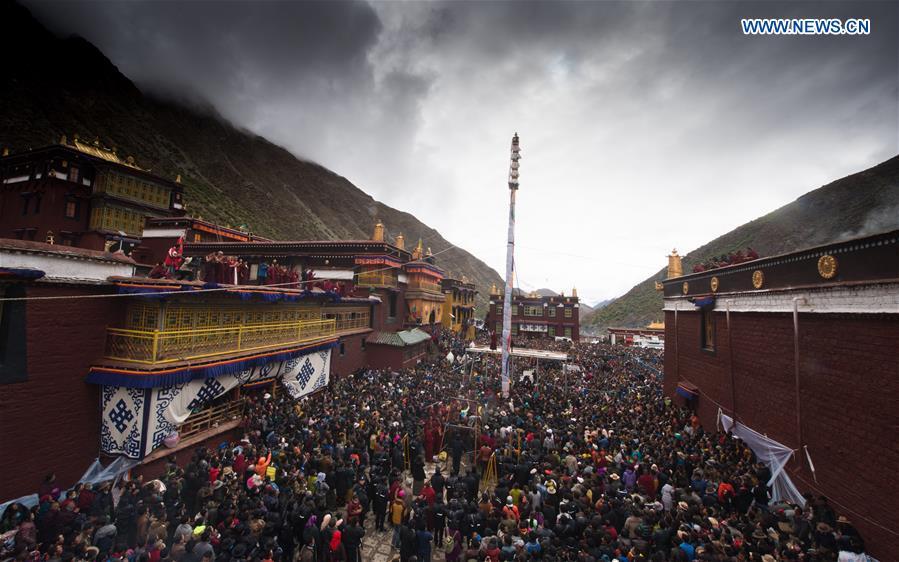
(646,482)
(726,493)
(240,464)
(428,494)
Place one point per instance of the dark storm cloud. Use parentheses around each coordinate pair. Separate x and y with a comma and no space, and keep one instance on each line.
(214,45)
(640,113)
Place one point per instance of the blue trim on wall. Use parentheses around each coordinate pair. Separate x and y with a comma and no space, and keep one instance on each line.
(98,375)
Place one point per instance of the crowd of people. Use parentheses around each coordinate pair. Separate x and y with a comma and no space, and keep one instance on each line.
(219,268)
(724,260)
(599,466)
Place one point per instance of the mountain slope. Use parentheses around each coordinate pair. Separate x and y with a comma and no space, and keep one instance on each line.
(58,86)
(860,204)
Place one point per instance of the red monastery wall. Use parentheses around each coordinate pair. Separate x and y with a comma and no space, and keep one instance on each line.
(51,419)
(353,357)
(849,380)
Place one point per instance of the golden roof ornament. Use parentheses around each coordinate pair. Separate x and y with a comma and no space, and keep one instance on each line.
(574,292)
(675,267)
(493,290)
(401,241)
(5,151)
(758,279)
(378,235)
(827,266)
(419,251)
(63,140)
(178,178)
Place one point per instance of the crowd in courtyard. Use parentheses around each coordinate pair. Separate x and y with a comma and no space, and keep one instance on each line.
(595,466)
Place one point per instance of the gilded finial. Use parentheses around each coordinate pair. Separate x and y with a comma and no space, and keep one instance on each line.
(419,251)
(574,291)
(675,267)
(5,151)
(178,178)
(401,241)
(378,235)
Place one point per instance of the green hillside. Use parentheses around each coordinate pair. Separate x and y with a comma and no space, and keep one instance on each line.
(856,205)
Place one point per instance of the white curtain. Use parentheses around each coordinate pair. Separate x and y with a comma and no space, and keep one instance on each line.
(773,454)
(96,473)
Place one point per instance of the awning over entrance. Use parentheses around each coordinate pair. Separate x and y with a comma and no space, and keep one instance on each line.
(687,390)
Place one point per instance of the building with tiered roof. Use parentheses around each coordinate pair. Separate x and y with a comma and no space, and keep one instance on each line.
(142,355)
(81,194)
(536,316)
(459,306)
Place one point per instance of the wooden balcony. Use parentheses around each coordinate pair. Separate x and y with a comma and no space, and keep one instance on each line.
(169,346)
(211,418)
(348,319)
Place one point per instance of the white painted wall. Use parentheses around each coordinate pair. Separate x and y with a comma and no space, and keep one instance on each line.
(58,267)
(859,299)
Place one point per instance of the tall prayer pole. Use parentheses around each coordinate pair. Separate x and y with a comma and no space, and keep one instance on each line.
(510,264)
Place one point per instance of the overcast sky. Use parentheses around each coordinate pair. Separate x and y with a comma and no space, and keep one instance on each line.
(643,125)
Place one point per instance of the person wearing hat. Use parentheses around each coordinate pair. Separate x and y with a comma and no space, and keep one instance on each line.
(510,510)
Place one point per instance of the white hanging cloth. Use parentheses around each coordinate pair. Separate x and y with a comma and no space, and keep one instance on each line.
(773,454)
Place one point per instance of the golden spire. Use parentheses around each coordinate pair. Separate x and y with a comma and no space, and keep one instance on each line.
(419,251)
(574,292)
(178,178)
(401,241)
(430,253)
(494,291)
(675,268)
(378,235)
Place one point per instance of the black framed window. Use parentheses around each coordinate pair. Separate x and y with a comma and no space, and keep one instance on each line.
(13,345)
(707,336)
(391,300)
(71,208)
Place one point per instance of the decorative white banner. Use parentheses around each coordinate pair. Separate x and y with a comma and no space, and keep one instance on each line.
(308,374)
(136,421)
(122,413)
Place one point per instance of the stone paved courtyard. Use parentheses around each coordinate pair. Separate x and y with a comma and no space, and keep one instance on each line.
(376,546)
